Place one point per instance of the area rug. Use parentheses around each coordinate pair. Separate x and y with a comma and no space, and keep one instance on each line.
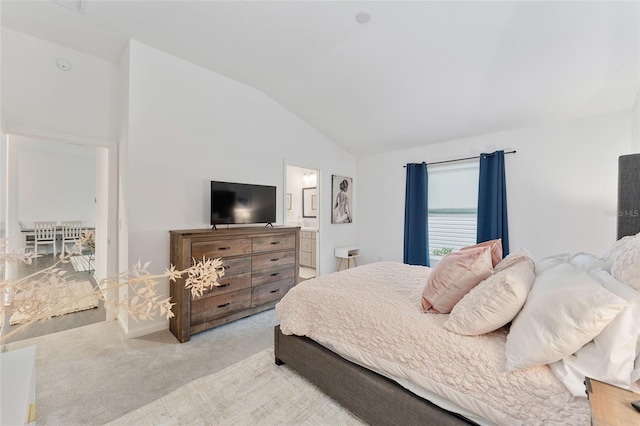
(254,391)
(80,298)
(82,263)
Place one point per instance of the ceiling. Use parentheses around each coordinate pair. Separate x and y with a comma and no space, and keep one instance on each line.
(418,72)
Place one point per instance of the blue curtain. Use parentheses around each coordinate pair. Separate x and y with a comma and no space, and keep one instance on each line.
(492,200)
(416,236)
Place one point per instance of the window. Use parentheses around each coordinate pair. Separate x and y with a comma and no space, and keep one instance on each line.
(453,207)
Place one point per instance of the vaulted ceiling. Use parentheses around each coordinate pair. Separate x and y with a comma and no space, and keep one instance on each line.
(417,72)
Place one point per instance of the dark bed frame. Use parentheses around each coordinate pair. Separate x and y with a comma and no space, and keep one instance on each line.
(378,400)
(375,399)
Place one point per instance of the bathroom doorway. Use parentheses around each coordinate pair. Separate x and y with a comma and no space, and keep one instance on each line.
(302,208)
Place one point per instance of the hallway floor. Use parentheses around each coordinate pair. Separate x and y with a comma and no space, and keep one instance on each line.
(65,322)
(307,273)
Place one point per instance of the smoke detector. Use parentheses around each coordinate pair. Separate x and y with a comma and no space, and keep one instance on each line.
(363,17)
(63,64)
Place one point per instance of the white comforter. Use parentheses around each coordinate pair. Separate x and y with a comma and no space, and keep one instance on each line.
(371,314)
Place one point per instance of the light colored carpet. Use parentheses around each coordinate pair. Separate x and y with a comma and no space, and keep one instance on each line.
(93,375)
(80,298)
(254,391)
(82,263)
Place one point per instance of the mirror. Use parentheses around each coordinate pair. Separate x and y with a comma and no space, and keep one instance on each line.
(309,202)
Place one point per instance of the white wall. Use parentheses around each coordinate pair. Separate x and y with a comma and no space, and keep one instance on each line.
(635,124)
(3,161)
(561,186)
(56,181)
(123,206)
(3,184)
(188,126)
(36,95)
(78,106)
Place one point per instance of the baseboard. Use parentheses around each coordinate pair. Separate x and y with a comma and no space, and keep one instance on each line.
(153,327)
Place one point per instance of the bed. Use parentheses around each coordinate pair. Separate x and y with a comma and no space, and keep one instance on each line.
(365,337)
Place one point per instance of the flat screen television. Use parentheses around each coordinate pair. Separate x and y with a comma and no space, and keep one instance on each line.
(236,203)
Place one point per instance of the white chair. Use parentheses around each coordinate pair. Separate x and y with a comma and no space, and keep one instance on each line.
(45,234)
(71,231)
(29,240)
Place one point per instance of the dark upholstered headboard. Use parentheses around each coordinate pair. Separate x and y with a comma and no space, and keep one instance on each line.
(628,195)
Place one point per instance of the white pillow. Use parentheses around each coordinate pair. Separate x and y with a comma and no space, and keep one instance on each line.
(551,262)
(611,355)
(565,309)
(494,302)
(589,262)
(512,258)
(625,255)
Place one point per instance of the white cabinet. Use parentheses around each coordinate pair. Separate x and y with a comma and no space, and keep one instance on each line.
(308,249)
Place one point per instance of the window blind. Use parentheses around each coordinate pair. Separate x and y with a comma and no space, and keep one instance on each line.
(452,228)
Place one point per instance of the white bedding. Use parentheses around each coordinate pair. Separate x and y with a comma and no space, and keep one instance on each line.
(371,314)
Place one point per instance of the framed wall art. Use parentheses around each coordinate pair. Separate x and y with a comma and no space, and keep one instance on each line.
(309,203)
(341,199)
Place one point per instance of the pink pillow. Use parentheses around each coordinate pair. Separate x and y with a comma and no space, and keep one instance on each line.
(454,276)
(496,249)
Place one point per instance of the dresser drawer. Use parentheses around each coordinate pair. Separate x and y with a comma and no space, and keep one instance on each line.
(269,292)
(228,283)
(273,242)
(271,260)
(220,248)
(210,308)
(264,276)
(306,245)
(236,265)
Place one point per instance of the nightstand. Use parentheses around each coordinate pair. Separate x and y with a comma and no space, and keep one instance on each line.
(611,405)
(348,253)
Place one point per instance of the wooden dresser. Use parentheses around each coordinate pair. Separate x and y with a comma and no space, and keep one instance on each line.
(261,265)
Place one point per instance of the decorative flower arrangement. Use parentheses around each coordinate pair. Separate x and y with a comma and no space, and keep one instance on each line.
(47,292)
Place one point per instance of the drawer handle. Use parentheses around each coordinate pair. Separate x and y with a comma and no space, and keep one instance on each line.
(275,260)
(224,248)
(275,242)
(223,285)
(224,305)
(274,291)
(275,274)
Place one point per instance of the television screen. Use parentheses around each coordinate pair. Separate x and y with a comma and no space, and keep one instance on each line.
(233,203)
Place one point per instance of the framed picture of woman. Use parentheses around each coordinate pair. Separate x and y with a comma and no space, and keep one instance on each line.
(341,196)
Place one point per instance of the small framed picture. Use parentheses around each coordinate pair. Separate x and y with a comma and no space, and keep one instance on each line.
(341,196)
(308,195)
(288,201)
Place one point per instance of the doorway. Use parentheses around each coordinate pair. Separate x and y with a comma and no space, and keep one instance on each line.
(49,178)
(302,208)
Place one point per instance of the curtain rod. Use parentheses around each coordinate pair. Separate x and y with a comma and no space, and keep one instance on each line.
(461,159)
